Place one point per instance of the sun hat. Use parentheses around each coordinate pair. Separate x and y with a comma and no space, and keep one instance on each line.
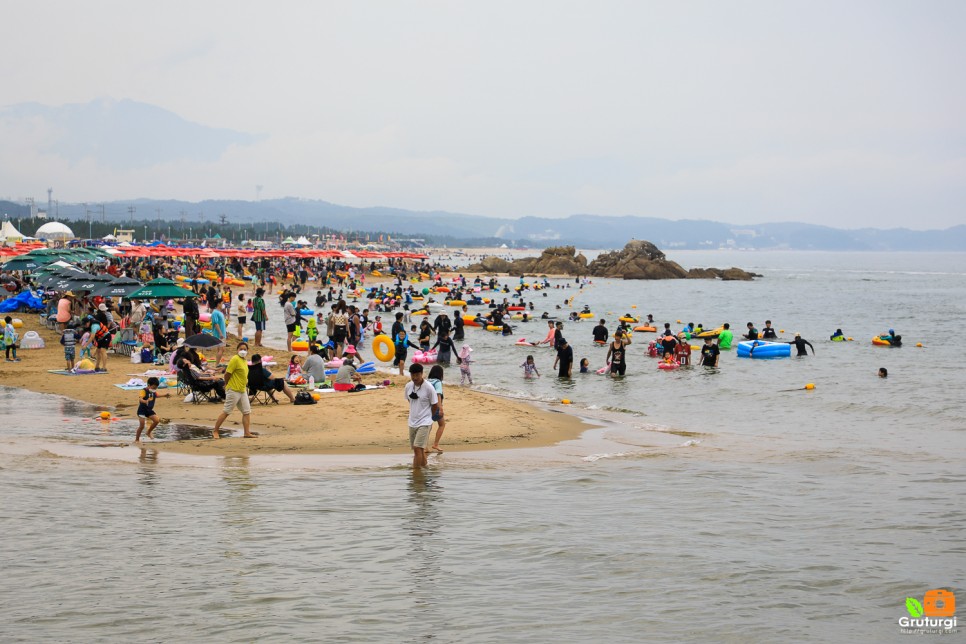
(349,349)
(797,334)
(102,307)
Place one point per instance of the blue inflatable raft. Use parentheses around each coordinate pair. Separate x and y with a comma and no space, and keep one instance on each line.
(764,349)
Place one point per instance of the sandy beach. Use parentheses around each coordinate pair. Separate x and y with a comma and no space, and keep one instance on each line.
(371,422)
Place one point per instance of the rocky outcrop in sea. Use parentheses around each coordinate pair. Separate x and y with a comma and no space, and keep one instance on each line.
(638,260)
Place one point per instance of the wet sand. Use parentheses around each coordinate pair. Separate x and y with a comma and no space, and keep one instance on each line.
(370,422)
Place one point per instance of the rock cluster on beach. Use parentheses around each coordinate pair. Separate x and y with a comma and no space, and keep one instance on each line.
(638,260)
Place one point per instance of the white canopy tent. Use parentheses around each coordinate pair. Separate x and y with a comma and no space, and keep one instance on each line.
(9,233)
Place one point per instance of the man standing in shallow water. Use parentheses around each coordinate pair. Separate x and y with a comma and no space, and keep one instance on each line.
(423,405)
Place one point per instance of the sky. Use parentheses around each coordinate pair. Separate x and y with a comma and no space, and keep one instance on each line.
(848,114)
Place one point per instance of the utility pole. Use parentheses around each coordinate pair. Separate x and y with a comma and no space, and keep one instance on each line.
(103,213)
(224,218)
(131,210)
(158,212)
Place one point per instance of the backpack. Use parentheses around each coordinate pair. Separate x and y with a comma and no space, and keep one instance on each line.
(304,398)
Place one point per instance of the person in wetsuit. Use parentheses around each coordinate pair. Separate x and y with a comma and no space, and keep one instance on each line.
(800,344)
(752,332)
(768,333)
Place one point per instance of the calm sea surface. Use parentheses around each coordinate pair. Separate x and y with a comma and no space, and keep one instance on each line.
(722,505)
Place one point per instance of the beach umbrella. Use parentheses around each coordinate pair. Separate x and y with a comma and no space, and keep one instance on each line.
(161,288)
(202,341)
(59,273)
(120,287)
(81,282)
(23,263)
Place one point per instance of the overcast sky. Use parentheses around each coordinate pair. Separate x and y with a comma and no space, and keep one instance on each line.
(842,113)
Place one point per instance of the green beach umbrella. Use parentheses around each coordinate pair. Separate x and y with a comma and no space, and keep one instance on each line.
(161,288)
(120,287)
(23,263)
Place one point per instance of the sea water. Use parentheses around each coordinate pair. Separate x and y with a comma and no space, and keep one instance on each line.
(720,504)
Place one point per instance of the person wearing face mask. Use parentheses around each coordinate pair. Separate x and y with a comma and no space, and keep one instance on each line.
(236,394)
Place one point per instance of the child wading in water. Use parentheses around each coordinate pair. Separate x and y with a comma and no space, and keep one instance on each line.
(464,361)
(146,408)
(530,368)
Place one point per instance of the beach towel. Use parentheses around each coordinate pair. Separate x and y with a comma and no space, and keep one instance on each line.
(138,383)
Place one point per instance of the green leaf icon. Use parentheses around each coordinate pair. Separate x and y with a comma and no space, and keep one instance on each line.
(913,606)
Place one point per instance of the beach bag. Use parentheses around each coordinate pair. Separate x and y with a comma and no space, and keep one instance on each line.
(147,356)
(135,358)
(304,398)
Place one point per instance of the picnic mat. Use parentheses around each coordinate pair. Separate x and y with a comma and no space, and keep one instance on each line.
(64,372)
(330,391)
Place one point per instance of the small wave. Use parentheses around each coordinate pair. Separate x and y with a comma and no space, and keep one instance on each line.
(597,457)
(690,443)
(515,394)
(617,410)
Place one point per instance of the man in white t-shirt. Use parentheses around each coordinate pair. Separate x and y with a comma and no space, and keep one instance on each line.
(423,403)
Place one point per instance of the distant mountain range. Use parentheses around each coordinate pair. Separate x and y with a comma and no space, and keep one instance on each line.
(584,231)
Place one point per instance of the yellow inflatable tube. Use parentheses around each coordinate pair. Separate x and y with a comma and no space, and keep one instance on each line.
(383,347)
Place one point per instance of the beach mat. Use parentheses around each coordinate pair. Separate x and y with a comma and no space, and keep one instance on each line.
(333,391)
(64,372)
